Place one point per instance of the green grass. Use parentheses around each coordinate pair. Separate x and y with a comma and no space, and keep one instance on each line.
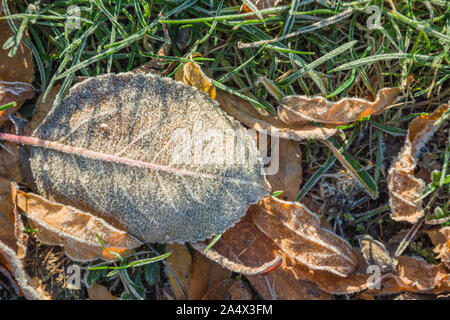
(301,47)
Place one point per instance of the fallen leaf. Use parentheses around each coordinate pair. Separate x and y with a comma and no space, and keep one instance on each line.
(404,186)
(441,239)
(180,261)
(30,288)
(245,244)
(228,289)
(297,231)
(205,273)
(271,124)
(192,75)
(11,227)
(74,229)
(118,142)
(304,110)
(416,275)
(288,177)
(356,282)
(99,292)
(12,247)
(16,74)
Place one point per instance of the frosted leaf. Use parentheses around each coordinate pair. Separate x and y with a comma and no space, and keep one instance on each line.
(404,186)
(302,109)
(150,155)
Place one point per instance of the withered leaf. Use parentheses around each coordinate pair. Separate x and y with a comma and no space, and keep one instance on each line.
(246,245)
(289,174)
(303,110)
(404,186)
(441,239)
(149,154)
(194,272)
(268,123)
(74,229)
(204,275)
(329,282)
(297,231)
(192,75)
(16,74)
(416,275)
(12,247)
(180,262)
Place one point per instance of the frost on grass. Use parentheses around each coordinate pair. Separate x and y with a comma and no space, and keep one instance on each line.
(153,156)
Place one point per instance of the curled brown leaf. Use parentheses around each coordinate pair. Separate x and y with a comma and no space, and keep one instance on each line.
(404,186)
(416,275)
(74,229)
(304,110)
(244,112)
(441,239)
(12,247)
(247,246)
(297,231)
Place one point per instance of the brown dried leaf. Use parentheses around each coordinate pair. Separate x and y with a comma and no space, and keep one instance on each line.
(205,274)
(441,239)
(416,275)
(30,288)
(357,281)
(289,175)
(74,229)
(109,149)
(180,261)
(99,292)
(304,110)
(244,112)
(404,187)
(12,248)
(16,74)
(246,244)
(192,75)
(297,231)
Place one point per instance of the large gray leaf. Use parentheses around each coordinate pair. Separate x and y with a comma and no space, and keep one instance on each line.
(155,156)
